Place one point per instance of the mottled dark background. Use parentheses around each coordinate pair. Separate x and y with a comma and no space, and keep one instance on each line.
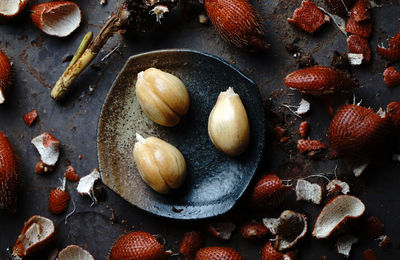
(37,61)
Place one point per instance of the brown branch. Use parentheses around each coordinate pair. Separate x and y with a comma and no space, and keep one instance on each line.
(113,24)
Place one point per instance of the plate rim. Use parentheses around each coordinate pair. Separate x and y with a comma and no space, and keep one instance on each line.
(177,50)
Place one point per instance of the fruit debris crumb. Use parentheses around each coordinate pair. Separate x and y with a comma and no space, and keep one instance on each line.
(86,184)
(308,191)
(369,254)
(42,168)
(344,244)
(385,241)
(337,187)
(70,174)
(30,117)
(307,145)
(222,230)
(373,227)
(48,147)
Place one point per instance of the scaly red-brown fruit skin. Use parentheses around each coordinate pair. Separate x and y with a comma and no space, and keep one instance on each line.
(269,253)
(357,44)
(30,117)
(393,113)
(308,17)
(137,245)
(393,52)
(267,193)
(391,77)
(337,6)
(307,145)
(303,129)
(58,201)
(70,174)
(8,175)
(373,227)
(360,11)
(362,29)
(5,75)
(19,249)
(218,253)
(369,254)
(253,231)
(191,243)
(357,132)
(319,81)
(237,22)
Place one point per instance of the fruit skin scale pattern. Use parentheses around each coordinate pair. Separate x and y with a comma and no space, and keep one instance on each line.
(58,201)
(218,253)
(268,192)
(5,75)
(363,29)
(357,44)
(308,17)
(357,132)
(339,7)
(360,11)
(137,245)
(391,77)
(8,175)
(320,80)
(237,22)
(393,52)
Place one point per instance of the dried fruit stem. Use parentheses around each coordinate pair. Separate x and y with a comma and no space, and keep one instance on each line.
(82,47)
(113,24)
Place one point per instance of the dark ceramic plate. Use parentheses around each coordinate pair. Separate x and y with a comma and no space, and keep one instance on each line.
(214,181)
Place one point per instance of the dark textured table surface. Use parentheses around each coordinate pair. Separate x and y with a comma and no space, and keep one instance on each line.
(37,62)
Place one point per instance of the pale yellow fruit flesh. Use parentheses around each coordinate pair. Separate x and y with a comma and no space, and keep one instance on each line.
(160,164)
(168,88)
(154,107)
(228,124)
(162,96)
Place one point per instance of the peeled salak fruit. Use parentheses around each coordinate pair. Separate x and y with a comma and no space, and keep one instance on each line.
(8,175)
(237,22)
(319,81)
(137,245)
(160,164)
(218,253)
(5,75)
(162,96)
(57,18)
(357,132)
(11,8)
(228,124)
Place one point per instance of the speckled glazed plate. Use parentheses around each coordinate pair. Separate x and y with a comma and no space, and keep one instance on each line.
(214,181)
